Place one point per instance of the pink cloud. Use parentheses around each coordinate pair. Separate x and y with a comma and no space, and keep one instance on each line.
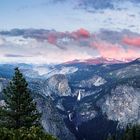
(114,51)
(81,33)
(132,41)
(52,38)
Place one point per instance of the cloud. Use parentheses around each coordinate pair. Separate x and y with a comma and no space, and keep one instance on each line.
(91,5)
(111,36)
(52,38)
(115,51)
(40,52)
(132,41)
(96,4)
(2,41)
(50,46)
(81,33)
(54,1)
(14,55)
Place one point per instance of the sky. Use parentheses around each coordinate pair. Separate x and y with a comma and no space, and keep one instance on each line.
(72,29)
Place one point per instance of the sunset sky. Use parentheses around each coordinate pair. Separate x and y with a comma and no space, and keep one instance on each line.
(71,29)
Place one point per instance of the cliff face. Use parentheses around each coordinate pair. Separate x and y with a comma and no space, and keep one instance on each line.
(51,120)
(55,86)
(58,85)
(122,105)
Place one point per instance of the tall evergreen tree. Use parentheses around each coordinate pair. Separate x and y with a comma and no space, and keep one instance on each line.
(20,110)
(110,137)
(132,133)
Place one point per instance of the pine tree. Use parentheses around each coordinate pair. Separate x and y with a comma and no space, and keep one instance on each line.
(132,133)
(110,137)
(20,110)
(138,132)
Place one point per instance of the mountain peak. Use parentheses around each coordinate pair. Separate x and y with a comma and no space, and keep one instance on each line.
(99,60)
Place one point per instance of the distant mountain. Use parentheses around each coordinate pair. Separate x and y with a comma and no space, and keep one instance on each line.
(81,100)
(99,60)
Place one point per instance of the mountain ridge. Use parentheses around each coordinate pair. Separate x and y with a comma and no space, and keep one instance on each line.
(85,96)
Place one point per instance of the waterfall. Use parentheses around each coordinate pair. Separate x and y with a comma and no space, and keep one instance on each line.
(79,96)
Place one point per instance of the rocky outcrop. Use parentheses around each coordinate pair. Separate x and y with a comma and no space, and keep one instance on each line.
(52,121)
(55,86)
(87,112)
(58,84)
(122,105)
(94,81)
(127,72)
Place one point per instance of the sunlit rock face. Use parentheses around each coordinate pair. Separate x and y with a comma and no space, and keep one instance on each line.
(55,86)
(122,105)
(59,84)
